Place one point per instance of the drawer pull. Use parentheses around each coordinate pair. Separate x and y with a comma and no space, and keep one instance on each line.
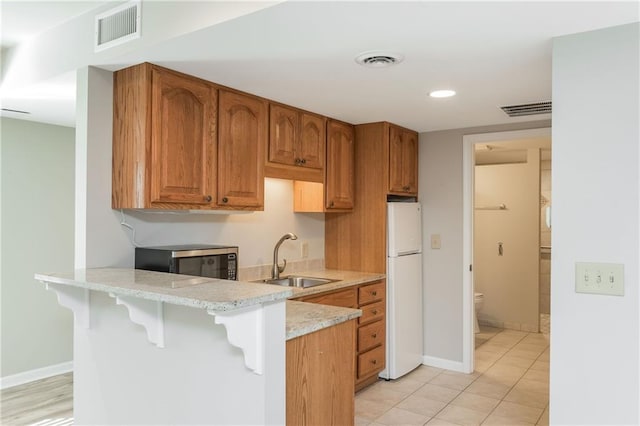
(374,312)
(374,293)
(374,335)
(374,362)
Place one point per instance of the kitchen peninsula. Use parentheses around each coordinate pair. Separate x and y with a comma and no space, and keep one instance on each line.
(190,350)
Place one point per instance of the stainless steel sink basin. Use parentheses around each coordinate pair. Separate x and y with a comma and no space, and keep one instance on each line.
(298,281)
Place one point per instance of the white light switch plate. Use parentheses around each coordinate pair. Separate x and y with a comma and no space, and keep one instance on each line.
(435,241)
(600,278)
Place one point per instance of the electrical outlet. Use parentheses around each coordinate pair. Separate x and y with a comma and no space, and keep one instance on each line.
(600,278)
(304,249)
(435,241)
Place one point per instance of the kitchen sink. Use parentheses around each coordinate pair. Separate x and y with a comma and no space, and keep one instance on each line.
(299,281)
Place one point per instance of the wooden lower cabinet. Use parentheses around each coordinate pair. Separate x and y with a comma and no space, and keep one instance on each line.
(369,362)
(371,333)
(370,351)
(319,365)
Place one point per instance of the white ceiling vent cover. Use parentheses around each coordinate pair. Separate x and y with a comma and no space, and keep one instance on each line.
(117,26)
(378,59)
(527,109)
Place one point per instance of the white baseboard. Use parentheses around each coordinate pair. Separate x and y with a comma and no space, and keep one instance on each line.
(447,364)
(37,374)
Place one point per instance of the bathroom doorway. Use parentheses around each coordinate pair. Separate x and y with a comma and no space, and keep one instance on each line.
(505,160)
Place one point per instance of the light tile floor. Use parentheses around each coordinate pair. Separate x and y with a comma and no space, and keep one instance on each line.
(510,386)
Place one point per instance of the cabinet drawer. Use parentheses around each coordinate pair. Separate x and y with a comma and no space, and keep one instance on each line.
(372,312)
(370,362)
(370,336)
(344,298)
(371,293)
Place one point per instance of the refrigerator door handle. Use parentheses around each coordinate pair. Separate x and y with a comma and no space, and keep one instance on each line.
(408,252)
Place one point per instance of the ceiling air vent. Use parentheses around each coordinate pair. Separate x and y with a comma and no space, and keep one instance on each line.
(379,59)
(527,109)
(117,26)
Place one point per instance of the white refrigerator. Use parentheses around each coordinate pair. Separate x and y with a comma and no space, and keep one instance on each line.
(404,289)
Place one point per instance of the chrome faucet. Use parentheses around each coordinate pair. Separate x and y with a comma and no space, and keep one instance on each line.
(276,270)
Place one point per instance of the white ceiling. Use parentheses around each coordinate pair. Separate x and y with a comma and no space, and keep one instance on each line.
(302,53)
(24,19)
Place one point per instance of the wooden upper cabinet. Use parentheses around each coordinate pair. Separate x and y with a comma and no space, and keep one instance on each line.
(339,180)
(284,132)
(403,161)
(242,136)
(183,115)
(311,149)
(296,146)
(164,139)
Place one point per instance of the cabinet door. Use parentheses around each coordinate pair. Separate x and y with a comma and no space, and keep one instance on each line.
(183,114)
(284,129)
(318,366)
(241,141)
(312,141)
(339,185)
(403,161)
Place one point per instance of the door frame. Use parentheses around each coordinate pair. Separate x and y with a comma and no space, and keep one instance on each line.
(468,164)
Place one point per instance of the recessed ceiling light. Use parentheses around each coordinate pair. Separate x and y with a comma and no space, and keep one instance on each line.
(442,93)
(379,59)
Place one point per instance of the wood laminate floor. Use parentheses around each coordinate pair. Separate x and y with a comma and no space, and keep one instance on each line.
(43,402)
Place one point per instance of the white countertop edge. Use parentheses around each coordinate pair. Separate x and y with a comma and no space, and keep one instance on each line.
(323,316)
(281,295)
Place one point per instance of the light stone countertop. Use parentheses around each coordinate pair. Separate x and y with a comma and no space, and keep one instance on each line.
(197,292)
(223,295)
(304,318)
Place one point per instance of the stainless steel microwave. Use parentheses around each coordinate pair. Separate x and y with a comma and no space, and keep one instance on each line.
(195,259)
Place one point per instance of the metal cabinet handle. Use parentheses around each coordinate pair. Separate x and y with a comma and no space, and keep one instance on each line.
(500,249)
(374,362)
(374,293)
(374,335)
(331,204)
(303,161)
(374,312)
(225,199)
(208,198)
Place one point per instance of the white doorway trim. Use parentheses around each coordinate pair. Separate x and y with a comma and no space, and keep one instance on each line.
(468,142)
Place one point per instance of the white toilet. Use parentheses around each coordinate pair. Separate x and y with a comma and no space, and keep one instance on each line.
(478,300)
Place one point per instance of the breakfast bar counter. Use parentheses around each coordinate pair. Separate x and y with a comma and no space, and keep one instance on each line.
(160,348)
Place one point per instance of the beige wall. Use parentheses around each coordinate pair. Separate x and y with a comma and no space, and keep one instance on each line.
(37,236)
(509,281)
(441,190)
